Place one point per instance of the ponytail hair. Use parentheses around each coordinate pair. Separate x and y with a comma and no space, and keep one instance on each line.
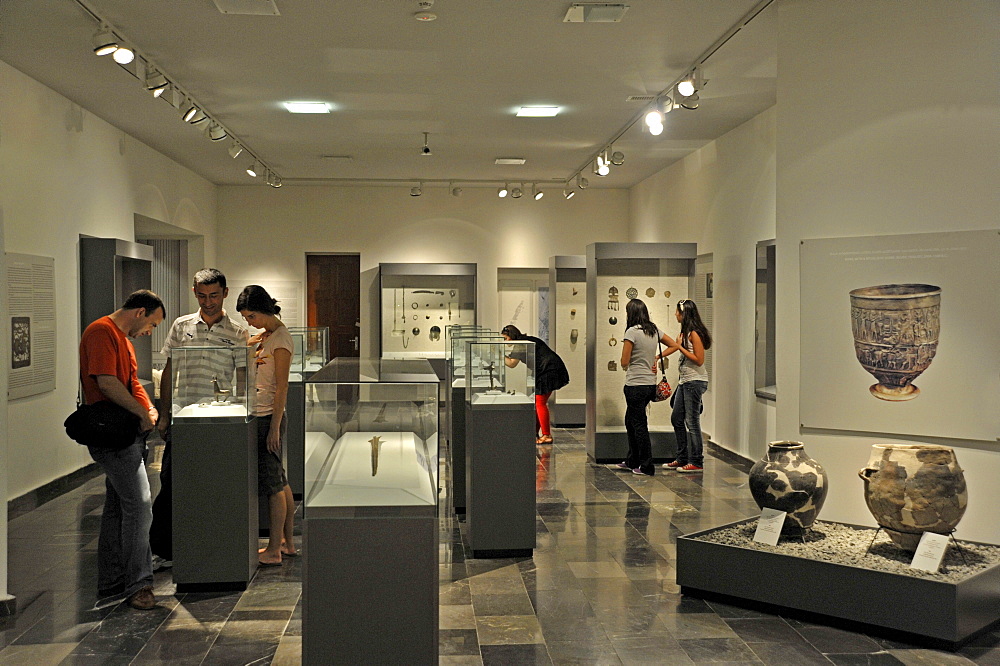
(691,322)
(636,314)
(256,299)
(512,332)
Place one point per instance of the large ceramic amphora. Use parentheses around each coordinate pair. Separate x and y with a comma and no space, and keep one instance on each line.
(914,488)
(896,328)
(788,480)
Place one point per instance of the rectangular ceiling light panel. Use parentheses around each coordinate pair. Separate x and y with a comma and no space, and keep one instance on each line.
(248,7)
(595,12)
(307,107)
(537,111)
(510,160)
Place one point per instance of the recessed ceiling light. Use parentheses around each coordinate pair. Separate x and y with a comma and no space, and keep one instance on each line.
(509,160)
(537,111)
(307,107)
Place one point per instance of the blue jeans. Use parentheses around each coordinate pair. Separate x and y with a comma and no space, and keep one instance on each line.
(640,449)
(686,420)
(124,561)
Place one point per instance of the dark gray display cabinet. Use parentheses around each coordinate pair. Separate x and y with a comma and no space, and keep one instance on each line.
(370,554)
(659,274)
(214,463)
(568,336)
(417,303)
(500,448)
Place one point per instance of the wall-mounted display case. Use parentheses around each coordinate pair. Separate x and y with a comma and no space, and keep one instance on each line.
(371,509)
(214,468)
(568,335)
(418,301)
(500,448)
(659,274)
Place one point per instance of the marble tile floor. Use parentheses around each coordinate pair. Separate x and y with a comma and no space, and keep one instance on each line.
(599,589)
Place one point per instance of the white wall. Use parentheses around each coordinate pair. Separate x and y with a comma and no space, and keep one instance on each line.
(722,198)
(64,172)
(385,224)
(888,123)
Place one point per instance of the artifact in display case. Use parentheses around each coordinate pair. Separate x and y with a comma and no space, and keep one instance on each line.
(371,444)
(500,372)
(617,272)
(418,302)
(211,382)
(312,349)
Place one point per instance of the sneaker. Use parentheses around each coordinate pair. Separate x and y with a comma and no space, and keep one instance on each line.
(143,599)
(623,465)
(160,564)
(687,469)
(672,465)
(639,471)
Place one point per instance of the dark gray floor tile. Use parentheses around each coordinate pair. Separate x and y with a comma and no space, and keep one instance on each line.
(650,650)
(96,659)
(717,649)
(728,611)
(573,653)
(764,630)
(874,659)
(246,652)
(505,655)
(831,640)
(560,603)
(789,654)
(983,656)
(501,604)
(585,629)
(458,642)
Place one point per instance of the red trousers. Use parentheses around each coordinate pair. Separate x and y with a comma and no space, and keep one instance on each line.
(542,412)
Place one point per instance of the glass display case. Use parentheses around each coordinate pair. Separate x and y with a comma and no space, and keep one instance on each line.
(211,382)
(658,274)
(418,301)
(568,335)
(312,349)
(499,372)
(372,443)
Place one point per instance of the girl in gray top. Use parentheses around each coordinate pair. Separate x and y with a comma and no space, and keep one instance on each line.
(639,346)
(691,386)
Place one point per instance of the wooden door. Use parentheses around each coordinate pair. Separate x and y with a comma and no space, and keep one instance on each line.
(333,288)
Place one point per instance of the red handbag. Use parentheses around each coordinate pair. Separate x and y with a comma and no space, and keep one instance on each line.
(663,389)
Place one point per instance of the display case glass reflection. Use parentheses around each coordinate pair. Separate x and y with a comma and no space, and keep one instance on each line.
(499,372)
(211,382)
(371,444)
(312,349)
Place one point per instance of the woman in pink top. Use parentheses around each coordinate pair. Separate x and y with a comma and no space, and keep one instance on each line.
(273,360)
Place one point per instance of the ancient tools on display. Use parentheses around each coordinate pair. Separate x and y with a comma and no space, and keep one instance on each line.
(376,443)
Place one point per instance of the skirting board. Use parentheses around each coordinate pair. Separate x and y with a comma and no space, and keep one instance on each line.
(931,612)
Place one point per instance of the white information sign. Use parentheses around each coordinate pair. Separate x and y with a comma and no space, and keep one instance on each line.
(769,526)
(32,288)
(930,552)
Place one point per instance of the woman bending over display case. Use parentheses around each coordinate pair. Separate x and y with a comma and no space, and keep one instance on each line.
(550,375)
(273,356)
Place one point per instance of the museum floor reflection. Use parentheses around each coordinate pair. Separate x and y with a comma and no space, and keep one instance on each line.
(599,588)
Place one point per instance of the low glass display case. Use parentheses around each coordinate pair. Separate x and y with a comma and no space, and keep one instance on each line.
(372,443)
(499,372)
(312,349)
(211,382)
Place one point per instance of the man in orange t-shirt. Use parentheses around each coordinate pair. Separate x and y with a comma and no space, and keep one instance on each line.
(108,371)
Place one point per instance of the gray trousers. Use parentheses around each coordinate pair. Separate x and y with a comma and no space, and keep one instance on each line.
(124,561)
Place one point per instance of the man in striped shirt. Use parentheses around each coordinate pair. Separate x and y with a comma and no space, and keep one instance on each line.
(210,326)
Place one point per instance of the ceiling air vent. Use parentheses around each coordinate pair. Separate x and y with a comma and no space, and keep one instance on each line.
(640,98)
(248,7)
(595,12)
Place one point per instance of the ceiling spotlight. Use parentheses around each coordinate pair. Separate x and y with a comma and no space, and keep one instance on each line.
(502,192)
(426,150)
(267,177)
(569,193)
(654,117)
(667,104)
(235,149)
(618,158)
(582,182)
(655,130)
(197,116)
(536,193)
(516,192)
(252,169)
(690,84)
(215,132)
(276,181)
(690,103)
(601,167)
(105,42)
(123,55)
(156,83)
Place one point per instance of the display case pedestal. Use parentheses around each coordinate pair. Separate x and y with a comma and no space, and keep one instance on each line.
(364,576)
(456,445)
(500,479)
(214,466)
(295,455)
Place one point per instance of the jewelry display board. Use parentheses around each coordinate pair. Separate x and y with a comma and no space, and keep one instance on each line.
(659,274)
(568,335)
(418,301)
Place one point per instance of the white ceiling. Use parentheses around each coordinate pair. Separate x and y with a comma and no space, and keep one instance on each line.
(390,78)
